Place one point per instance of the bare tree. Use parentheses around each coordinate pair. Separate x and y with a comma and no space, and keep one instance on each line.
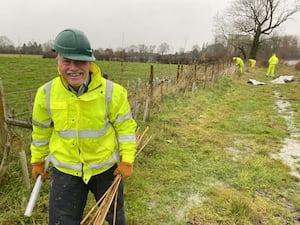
(6,45)
(132,49)
(152,49)
(195,52)
(253,19)
(163,48)
(47,46)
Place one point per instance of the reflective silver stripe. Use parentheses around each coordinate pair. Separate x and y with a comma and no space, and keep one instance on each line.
(67,133)
(55,162)
(108,97)
(94,133)
(109,90)
(123,118)
(78,167)
(47,92)
(84,133)
(115,157)
(39,143)
(127,138)
(45,125)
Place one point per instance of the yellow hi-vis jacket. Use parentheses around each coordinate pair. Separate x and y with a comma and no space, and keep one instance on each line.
(84,135)
(239,62)
(273,60)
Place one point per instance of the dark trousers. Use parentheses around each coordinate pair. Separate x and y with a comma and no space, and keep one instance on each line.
(68,196)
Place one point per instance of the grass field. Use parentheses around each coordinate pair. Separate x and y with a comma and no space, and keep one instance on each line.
(208,163)
(25,74)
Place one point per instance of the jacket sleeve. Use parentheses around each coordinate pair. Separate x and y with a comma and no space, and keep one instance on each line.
(41,128)
(123,123)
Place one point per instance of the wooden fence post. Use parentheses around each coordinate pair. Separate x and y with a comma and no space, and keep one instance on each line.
(151,82)
(181,69)
(150,95)
(24,166)
(146,111)
(178,73)
(4,134)
(3,125)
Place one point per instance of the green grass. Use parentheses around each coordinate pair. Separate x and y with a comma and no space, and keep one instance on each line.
(208,163)
(188,159)
(21,76)
(28,72)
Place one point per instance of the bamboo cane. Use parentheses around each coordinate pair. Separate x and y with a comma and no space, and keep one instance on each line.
(144,144)
(109,191)
(140,137)
(102,212)
(104,203)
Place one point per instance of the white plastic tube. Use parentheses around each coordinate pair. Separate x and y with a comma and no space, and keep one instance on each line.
(35,191)
(34,196)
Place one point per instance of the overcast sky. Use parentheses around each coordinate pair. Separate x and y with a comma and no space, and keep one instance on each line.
(118,23)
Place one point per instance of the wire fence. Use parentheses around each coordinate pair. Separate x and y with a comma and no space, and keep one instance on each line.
(144,97)
(188,78)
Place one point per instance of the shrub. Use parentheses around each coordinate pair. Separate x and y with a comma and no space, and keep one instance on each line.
(297,66)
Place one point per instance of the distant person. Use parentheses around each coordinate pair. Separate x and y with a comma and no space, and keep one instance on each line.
(273,61)
(239,63)
(83,122)
(252,63)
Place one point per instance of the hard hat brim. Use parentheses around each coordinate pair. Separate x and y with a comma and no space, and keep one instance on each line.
(79,57)
(76,57)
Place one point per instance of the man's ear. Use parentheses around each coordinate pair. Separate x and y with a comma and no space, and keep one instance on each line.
(90,67)
(58,70)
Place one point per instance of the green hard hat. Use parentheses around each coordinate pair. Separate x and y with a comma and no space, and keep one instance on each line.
(73,44)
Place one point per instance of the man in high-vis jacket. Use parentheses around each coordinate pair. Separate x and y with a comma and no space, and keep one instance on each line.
(239,63)
(252,63)
(83,123)
(273,61)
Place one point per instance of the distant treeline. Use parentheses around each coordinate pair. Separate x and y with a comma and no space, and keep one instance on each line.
(286,47)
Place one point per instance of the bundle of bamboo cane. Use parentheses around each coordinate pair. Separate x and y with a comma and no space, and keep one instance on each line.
(98,212)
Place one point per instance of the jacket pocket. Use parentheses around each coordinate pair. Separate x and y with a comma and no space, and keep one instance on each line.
(59,112)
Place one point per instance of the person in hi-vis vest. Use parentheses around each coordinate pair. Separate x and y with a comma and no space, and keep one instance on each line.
(83,123)
(273,61)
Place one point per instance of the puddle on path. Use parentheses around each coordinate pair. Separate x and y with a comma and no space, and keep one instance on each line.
(290,152)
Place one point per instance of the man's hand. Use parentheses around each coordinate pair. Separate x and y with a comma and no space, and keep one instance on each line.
(38,168)
(125,169)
